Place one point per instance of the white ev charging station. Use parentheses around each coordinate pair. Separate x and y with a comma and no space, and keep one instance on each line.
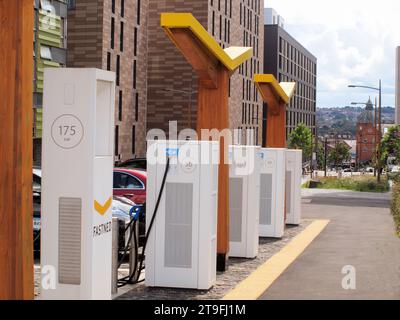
(293,186)
(182,244)
(244,194)
(77,175)
(272,192)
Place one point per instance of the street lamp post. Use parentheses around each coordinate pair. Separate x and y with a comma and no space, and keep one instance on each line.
(325,155)
(378,151)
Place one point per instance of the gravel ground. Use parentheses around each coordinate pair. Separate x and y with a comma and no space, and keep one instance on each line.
(238,270)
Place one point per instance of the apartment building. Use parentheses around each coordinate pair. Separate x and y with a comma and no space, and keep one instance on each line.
(172,84)
(112,35)
(50,44)
(288,60)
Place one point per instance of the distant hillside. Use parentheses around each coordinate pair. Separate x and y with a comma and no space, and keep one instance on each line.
(343,120)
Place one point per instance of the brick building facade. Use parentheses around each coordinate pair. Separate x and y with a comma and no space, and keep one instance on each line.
(112,35)
(367,135)
(172,84)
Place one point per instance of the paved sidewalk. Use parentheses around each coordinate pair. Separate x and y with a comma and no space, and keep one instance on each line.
(360,234)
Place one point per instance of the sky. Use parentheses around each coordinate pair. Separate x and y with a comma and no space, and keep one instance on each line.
(354,41)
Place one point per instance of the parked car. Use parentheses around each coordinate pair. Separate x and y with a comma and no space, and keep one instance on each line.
(131,184)
(138,163)
(121,208)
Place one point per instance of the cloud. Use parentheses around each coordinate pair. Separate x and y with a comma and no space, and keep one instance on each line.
(354,42)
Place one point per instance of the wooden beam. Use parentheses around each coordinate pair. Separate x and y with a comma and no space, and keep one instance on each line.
(213,113)
(16,83)
(202,61)
(276,125)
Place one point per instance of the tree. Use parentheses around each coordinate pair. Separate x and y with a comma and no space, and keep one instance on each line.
(320,150)
(390,146)
(301,138)
(339,154)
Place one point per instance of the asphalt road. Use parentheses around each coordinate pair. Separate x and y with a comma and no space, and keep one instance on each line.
(360,235)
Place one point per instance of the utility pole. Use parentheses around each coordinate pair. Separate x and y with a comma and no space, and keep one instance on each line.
(326,155)
(376,137)
(379,131)
(16,78)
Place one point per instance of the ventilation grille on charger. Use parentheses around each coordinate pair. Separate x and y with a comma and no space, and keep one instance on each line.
(235,209)
(69,241)
(288,193)
(178,225)
(266,199)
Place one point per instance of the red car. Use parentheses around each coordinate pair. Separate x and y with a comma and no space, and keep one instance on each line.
(131,184)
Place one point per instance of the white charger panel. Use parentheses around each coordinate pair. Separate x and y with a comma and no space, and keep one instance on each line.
(293,186)
(272,192)
(182,245)
(244,193)
(77,174)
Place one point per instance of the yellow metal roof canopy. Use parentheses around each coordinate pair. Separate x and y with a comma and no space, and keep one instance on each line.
(285,90)
(231,57)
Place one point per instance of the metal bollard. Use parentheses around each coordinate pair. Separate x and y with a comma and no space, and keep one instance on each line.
(115,250)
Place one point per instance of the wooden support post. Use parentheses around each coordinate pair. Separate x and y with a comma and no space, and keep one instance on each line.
(277,96)
(16,83)
(213,113)
(214,67)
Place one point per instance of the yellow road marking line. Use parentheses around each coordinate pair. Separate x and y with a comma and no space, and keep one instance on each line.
(261,279)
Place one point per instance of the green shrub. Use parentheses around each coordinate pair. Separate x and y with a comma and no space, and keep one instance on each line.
(396,206)
(358,183)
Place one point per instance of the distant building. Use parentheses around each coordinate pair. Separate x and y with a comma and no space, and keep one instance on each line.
(353,149)
(367,135)
(385,127)
(288,60)
(272,17)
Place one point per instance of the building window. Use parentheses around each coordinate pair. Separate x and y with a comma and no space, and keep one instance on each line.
(71,4)
(138,12)
(135,34)
(116,152)
(108,61)
(120,106)
(133,139)
(137,107)
(220,27)
(121,38)
(122,8)
(213,23)
(117,69)
(225,29)
(112,32)
(113,6)
(229,31)
(241,13)
(134,74)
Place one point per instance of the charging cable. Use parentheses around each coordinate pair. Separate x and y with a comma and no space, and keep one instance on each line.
(130,278)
